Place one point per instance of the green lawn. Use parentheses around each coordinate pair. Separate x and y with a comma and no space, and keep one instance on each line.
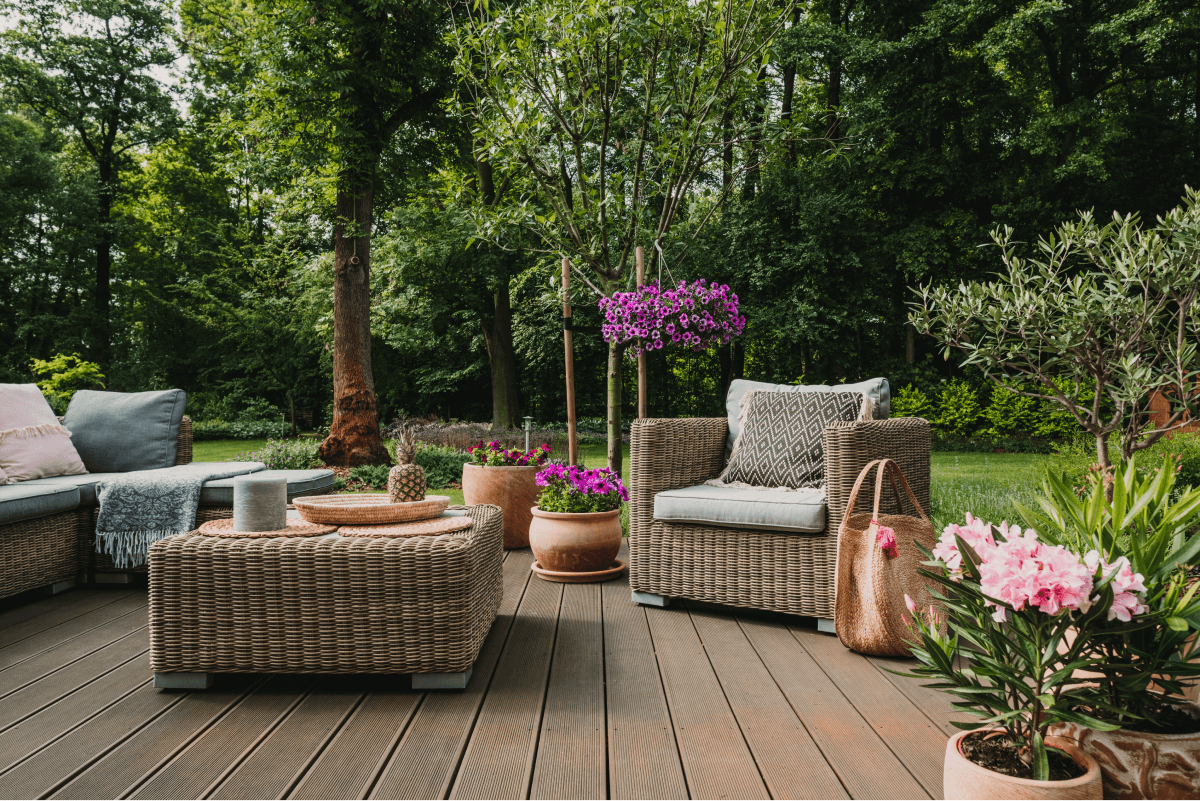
(984,484)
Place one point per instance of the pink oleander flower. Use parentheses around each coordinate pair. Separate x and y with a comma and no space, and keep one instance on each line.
(975,533)
(911,604)
(1025,572)
(1125,583)
(885,538)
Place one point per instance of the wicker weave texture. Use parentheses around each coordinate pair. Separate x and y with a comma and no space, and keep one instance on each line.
(326,605)
(36,553)
(779,572)
(183,444)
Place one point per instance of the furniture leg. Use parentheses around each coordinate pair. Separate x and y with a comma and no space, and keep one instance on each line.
(60,586)
(441,681)
(650,599)
(825,626)
(183,681)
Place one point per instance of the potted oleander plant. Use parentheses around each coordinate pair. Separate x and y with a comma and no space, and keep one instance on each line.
(1012,626)
(506,478)
(576,529)
(1138,523)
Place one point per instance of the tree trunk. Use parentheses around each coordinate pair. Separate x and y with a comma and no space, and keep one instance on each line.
(354,433)
(497,335)
(615,451)
(1102,451)
(104,243)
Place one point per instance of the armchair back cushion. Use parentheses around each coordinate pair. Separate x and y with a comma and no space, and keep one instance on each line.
(782,444)
(33,444)
(876,389)
(116,432)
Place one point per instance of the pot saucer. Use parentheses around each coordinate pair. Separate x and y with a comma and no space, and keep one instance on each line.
(564,577)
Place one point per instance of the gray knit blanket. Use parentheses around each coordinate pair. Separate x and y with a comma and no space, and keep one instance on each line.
(140,508)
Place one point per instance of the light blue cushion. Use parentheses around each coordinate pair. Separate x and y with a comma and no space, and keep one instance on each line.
(219,492)
(876,388)
(116,432)
(23,502)
(733,507)
(88,482)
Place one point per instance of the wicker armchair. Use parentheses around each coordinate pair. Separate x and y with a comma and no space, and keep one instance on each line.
(771,570)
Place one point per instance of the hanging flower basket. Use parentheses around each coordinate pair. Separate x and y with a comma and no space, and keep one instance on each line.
(699,316)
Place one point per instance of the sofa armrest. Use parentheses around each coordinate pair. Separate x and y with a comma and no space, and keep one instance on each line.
(183,447)
(670,454)
(849,447)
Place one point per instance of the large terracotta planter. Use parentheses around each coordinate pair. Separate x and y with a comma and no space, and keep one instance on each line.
(576,542)
(513,489)
(1141,765)
(963,779)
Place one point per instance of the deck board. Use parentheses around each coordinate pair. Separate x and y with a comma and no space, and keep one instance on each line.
(790,762)
(572,752)
(716,760)
(577,693)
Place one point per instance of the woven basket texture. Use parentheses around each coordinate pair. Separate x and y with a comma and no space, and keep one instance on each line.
(871,586)
(774,571)
(416,528)
(295,528)
(368,509)
(39,552)
(328,604)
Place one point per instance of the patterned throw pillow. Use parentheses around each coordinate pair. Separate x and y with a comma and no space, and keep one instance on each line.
(782,444)
(33,444)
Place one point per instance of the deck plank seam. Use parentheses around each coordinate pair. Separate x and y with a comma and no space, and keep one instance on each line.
(604,701)
(452,776)
(256,742)
(724,694)
(66,665)
(814,736)
(320,749)
(141,609)
(188,742)
(662,683)
(56,607)
(389,753)
(531,760)
(937,724)
(93,680)
(64,781)
(870,726)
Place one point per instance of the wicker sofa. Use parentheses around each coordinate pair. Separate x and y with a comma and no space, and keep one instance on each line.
(52,543)
(780,571)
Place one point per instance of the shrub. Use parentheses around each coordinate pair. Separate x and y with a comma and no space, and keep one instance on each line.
(244,429)
(63,376)
(958,407)
(1010,414)
(373,475)
(442,465)
(1075,458)
(285,454)
(912,402)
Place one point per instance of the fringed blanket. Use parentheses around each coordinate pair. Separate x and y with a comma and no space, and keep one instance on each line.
(140,508)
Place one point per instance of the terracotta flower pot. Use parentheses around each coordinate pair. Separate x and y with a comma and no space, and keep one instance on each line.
(963,779)
(513,489)
(1138,764)
(575,542)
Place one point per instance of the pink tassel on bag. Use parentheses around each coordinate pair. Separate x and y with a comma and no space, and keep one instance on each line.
(885,538)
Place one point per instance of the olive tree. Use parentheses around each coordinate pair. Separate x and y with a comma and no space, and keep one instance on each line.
(607,120)
(1110,308)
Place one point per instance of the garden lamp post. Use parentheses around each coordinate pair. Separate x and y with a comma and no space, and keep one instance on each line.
(528,428)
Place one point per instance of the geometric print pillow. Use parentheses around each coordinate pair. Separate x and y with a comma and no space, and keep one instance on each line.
(782,444)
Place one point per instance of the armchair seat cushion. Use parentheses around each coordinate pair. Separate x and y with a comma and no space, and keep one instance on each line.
(22,502)
(801,512)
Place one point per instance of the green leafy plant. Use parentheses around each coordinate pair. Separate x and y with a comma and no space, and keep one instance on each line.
(571,488)
(442,465)
(372,475)
(1009,414)
(1150,528)
(912,402)
(285,454)
(64,376)
(958,407)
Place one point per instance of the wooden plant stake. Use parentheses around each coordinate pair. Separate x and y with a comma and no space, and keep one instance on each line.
(572,436)
(643,404)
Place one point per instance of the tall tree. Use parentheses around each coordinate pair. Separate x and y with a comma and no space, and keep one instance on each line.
(90,66)
(614,113)
(342,85)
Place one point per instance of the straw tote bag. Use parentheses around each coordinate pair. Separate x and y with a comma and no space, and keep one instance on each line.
(871,584)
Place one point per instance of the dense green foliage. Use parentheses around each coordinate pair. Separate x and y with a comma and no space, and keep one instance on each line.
(900,134)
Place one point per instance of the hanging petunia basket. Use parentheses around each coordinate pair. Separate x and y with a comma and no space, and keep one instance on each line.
(699,316)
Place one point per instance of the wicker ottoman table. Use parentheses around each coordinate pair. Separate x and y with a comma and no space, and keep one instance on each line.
(419,605)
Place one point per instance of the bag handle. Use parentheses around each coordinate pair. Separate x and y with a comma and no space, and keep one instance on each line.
(893,470)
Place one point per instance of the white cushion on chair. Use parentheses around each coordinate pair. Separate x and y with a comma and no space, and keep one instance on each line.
(802,511)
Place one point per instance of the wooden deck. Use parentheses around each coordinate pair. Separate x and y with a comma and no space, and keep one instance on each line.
(578,693)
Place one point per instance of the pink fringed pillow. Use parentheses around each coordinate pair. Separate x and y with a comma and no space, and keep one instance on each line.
(33,444)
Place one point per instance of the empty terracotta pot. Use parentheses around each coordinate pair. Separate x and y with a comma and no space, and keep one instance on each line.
(513,489)
(963,779)
(575,542)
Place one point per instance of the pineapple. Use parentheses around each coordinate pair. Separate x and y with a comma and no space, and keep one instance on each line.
(406,481)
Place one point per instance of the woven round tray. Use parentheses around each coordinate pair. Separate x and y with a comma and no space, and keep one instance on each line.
(369,509)
(295,528)
(419,528)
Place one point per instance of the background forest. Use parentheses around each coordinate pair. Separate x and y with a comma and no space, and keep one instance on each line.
(163,215)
